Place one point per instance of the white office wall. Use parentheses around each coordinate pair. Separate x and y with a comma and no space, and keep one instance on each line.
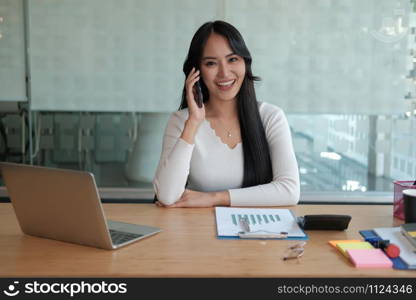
(321,56)
(111,55)
(328,56)
(12,51)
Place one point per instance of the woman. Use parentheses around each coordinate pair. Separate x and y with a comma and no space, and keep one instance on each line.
(233,150)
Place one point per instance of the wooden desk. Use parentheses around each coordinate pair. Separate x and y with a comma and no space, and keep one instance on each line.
(188,247)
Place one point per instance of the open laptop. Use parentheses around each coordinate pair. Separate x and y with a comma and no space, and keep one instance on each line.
(65,205)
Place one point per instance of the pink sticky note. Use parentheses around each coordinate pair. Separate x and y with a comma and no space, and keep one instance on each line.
(369,258)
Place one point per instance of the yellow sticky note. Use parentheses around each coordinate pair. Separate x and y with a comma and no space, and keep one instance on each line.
(412,233)
(343,247)
(335,242)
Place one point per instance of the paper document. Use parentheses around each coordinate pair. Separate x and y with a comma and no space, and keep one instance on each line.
(259,219)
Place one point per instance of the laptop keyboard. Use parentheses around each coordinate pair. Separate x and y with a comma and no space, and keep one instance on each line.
(119,237)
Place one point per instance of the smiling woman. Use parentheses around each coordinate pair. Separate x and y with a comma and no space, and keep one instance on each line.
(233,150)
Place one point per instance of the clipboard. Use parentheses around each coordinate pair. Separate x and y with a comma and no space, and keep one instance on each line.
(257,223)
(398,262)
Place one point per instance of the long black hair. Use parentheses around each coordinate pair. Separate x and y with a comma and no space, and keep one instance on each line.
(257,163)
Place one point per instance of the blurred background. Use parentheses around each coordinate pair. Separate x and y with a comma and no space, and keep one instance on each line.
(90,84)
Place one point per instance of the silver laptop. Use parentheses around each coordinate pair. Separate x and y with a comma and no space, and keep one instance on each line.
(65,205)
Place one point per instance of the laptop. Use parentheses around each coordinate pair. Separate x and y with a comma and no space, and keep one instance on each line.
(65,205)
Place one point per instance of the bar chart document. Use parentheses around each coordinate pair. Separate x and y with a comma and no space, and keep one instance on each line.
(266,220)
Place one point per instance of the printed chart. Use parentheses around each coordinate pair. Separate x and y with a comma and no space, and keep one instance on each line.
(258,219)
(255,219)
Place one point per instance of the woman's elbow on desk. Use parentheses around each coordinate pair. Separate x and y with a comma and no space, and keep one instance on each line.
(165,196)
(162,201)
(289,193)
(166,200)
(286,200)
(294,195)
(294,199)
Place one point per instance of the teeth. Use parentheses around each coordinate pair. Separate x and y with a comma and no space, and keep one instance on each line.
(226,83)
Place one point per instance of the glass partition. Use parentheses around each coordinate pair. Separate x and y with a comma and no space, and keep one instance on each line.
(102,78)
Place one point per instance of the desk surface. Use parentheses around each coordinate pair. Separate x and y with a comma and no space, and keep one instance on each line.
(188,247)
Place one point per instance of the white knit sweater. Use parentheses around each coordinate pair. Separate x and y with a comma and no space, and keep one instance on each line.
(210,165)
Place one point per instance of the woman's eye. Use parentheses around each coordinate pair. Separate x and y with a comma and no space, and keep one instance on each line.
(233,59)
(210,63)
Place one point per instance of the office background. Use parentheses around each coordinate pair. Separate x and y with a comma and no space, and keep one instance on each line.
(90,84)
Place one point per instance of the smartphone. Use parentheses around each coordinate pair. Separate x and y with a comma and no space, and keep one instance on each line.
(199,98)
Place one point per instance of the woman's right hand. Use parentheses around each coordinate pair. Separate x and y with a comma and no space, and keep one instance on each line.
(196,114)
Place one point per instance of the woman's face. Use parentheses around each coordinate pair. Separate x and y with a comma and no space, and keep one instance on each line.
(222,70)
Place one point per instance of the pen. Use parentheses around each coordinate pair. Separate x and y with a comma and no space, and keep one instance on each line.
(262,235)
(246,232)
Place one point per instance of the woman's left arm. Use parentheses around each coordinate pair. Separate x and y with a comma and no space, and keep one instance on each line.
(284,189)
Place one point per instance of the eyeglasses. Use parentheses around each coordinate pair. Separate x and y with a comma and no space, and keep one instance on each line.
(294,251)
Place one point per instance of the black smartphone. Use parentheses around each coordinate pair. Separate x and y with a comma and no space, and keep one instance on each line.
(324,222)
(199,98)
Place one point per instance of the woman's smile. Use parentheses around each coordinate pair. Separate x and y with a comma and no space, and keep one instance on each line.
(225,85)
